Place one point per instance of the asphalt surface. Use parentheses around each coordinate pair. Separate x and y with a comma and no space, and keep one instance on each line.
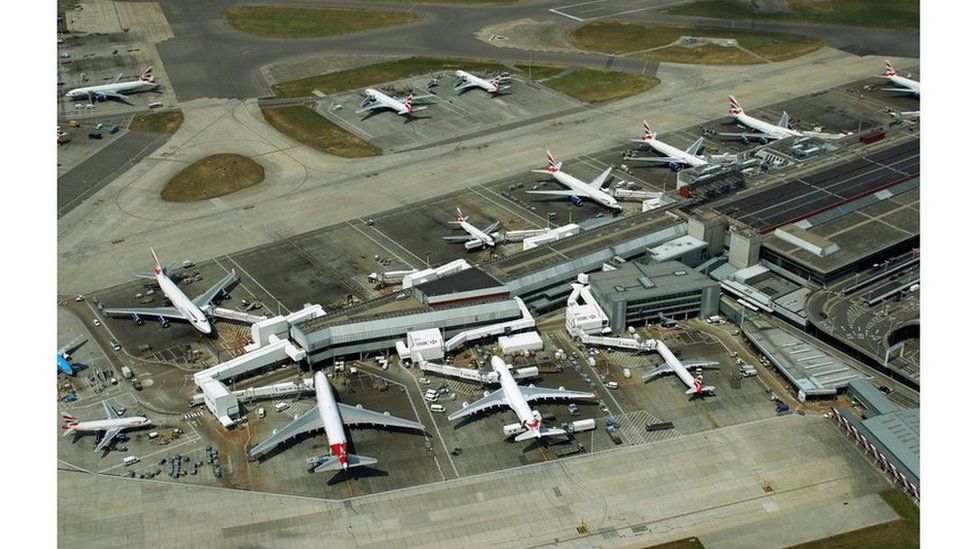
(104,166)
(207,58)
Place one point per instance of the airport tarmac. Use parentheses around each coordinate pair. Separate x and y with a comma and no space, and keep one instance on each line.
(448,116)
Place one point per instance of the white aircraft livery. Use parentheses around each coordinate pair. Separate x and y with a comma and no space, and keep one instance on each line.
(333,416)
(765,131)
(111,426)
(378,100)
(674,366)
(477,238)
(578,190)
(116,89)
(184,308)
(518,398)
(673,156)
(466,81)
(906,85)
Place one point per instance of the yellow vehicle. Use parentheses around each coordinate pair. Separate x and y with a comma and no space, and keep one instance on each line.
(74,124)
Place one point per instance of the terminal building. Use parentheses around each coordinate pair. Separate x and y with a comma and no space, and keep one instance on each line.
(636,293)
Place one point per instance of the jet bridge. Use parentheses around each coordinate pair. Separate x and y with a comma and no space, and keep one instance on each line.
(516,325)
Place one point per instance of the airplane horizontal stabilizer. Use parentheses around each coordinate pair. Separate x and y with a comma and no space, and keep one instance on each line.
(547,432)
(704,389)
(332,463)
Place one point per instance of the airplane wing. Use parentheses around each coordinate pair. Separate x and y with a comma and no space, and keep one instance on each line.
(903,90)
(554,193)
(415,109)
(700,364)
(206,297)
(370,106)
(116,79)
(309,421)
(696,146)
(661,370)
(599,181)
(107,438)
(351,415)
(459,238)
(116,96)
(493,400)
(74,344)
(533,394)
(473,244)
(784,121)
(492,228)
(166,312)
(465,85)
(110,412)
(749,135)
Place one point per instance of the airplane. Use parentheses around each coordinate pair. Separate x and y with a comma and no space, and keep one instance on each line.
(906,85)
(379,100)
(332,416)
(518,398)
(675,157)
(578,190)
(116,89)
(64,354)
(674,366)
(477,238)
(765,132)
(467,81)
(195,311)
(111,426)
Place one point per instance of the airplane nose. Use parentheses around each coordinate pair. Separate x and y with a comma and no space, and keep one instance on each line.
(205,327)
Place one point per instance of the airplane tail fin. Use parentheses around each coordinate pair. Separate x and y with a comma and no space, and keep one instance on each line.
(734,108)
(889,69)
(551,165)
(409,101)
(459,218)
(648,133)
(148,76)
(332,463)
(70,423)
(157,268)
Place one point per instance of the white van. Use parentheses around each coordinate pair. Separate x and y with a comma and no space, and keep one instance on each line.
(437,408)
(612,385)
(281,407)
(129,460)
(261,412)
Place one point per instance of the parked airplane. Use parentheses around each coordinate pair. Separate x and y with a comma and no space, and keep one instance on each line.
(674,366)
(673,156)
(477,238)
(578,190)
(64,354)
(333,416)
(378,100)
(765,132)
(111,426)
(467,81)
(194,311)
(518,398)
(906,85)
(116,89)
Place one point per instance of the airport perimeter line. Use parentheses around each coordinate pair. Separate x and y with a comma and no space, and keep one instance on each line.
(389,251)
(558,11)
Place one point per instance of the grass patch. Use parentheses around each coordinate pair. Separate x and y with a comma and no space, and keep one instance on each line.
(886,14)
(616,37)
(897,534)
(690,543)
(539,72)
(355,78)
(157,122)
(306,126)
(213,176)
(295,22)
(595,86)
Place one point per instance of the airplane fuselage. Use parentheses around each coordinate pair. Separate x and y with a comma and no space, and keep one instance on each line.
(486,85)
(771,130)
(910,85)
(399,106)
(183,304)
(329,412)
(477,233)
(119,87)
(674,152)
(585,191)
(516,400)
(101,425)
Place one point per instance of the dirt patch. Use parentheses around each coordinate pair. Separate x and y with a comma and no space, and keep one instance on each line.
(528,34)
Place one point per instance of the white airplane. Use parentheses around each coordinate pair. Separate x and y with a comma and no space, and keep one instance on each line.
(674,366)
(467,81)
(765,132)
(518,398)
(673,156)
(184,308)
(378,100)
(116,89)
(477,238)
(578,190)
(906,85)
(333,416)
(112,426)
